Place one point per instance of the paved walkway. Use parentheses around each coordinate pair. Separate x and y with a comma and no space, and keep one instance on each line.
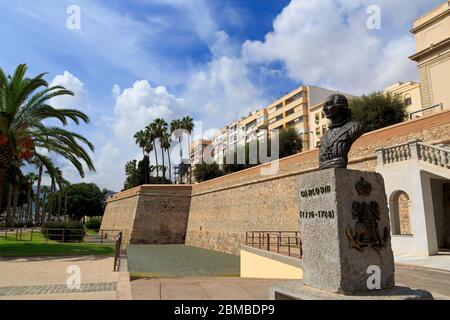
(215,288)
(441,261)
(45,278)
(433,280)
(210,288)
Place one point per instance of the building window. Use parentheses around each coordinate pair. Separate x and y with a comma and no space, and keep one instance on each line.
(318,131)
(279,106)
(322,115)
(294,97)
(317,116)
(280,117)
(289,112)
(324,129)
(407,101)
(298,120)
(273,120)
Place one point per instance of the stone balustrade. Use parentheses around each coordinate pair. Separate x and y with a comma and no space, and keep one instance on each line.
(414,149)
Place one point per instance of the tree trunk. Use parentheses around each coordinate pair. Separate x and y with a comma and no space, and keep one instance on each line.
(156,158)
(181,159)
(145,168)
(8,205)
(59,205)
(42,216)
(65,203)
(170,165)
(38,195)
(190,164)
(2,181)
(14,208)
(164,166)
(29,204)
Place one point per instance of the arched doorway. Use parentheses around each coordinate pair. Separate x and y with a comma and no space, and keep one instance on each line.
(399,204)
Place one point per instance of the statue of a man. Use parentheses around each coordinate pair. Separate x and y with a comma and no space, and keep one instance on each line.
(337,141)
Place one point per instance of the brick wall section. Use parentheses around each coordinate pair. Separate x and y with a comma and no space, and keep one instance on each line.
(120,212)
(150,214)
(221,210)
(162,215)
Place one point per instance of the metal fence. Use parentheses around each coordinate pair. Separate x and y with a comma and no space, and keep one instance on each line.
(43,235)
(283,242)
(117,252)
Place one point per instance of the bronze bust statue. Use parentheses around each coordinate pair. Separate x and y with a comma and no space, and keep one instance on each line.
(337,141)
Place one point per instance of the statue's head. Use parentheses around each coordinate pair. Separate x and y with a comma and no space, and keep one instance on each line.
(336,107)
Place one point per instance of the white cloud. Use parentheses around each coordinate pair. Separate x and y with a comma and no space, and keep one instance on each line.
(222,87)
(327,43)
(72,83)
(139,105)
(116,91)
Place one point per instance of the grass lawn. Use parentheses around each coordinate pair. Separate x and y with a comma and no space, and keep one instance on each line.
(9,247)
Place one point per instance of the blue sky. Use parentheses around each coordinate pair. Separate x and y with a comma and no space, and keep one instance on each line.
(135,60)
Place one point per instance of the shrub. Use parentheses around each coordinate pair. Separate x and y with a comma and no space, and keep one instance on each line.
(93,224)
(71,231)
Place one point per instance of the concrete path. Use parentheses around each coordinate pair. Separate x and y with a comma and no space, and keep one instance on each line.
(45,278)
(210,288)
(433,280)
(213,288)
(441,261)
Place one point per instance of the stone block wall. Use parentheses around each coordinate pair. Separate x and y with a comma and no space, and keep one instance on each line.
(150,214)
(217,213)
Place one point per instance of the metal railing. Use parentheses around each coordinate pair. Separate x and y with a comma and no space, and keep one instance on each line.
(59,235)
(440,106)
(117,252)
(283,242)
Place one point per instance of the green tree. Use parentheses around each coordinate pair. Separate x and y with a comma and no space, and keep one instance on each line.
(205,172)
(84,199)
(187,123)
(174,126)
(24,125)
(165,145)
(376,110)
(158,127)
(290,142)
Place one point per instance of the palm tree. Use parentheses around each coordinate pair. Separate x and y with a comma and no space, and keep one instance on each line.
(31,178)
(188,125)
(156,130)
(45,192)
(24,129)
(40,161)
(151,136)
(141,138)
(174,126)
(165,145)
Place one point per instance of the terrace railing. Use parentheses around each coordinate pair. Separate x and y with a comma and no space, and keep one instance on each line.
(282,242)
(434,155)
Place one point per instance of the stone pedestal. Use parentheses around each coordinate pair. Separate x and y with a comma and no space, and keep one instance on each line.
(345,233)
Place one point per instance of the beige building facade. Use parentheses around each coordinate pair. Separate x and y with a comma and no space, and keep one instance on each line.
(294,110)
(197,151)
(409,93)
(432,33)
